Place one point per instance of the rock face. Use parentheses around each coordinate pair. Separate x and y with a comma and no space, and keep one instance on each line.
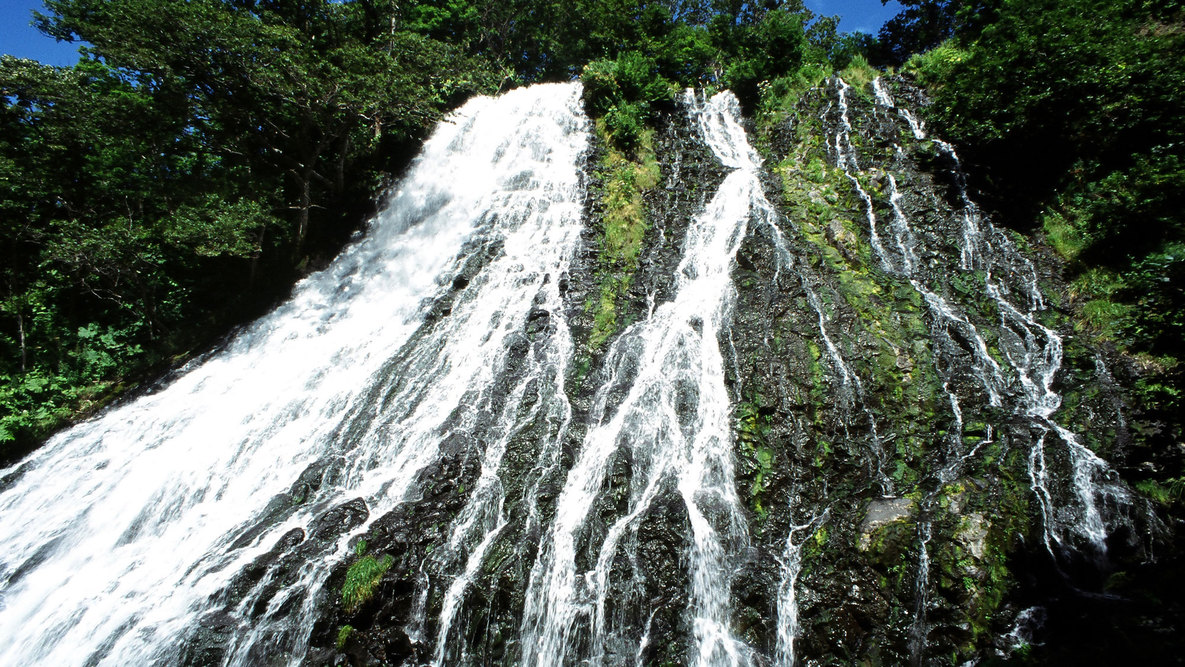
(919,443)
(881,514)
(401,626)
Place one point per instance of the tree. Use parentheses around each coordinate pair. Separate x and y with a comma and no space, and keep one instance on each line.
(177,177)
(919,27)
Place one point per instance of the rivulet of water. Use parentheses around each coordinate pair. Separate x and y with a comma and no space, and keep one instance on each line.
(1032,352)
(1030,359)
(848,162)
(120,532)
(674,426)
(787,600)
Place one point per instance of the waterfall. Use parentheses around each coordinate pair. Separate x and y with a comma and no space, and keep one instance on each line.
(120,532)
(431,401)
(1032,351)
(674,425)
(787,602)
(846,159)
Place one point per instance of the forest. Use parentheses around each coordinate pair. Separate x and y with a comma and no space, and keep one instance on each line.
(202,157)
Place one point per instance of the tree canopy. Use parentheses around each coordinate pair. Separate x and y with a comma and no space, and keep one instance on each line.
(203,154)
(178,177)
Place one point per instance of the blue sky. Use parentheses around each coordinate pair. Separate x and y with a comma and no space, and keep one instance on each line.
(862,15)
(19,38)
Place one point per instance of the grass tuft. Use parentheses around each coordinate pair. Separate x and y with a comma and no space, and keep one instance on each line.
(363,578)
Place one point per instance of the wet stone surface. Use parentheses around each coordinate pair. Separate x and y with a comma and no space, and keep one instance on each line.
(884,428)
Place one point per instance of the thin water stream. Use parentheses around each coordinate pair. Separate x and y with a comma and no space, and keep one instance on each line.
(674,427)
(1032,356)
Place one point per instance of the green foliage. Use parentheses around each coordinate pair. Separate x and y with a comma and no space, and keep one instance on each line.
(778,97)
(625,217)
(751,428)
(848,46)
(605,311)
(737,46)
(920,26)
(625,123)
(214,227)
(859,73)
(622,92)
(1073,110)
(623,224)
(935,66)
(343,635)
(1083,85)
(362,579)
(763,51)
(1165,493)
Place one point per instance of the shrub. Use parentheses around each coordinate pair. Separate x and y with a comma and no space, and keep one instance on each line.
(625,122)
(600,85)
(934,66)
(621,91)
(859,73)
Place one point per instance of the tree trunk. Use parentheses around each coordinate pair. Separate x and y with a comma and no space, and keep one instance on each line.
(20,327)
(302,226)
(255,257)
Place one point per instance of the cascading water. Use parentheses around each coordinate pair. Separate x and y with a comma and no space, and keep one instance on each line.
(1036,360)
(845,158)
(787,603)
(674,426)
(543,501)
(122,531)
(1034,354)
(1031,351)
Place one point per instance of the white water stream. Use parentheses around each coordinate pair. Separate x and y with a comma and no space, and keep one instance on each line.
(674,425)
(114,535)
(1032,351)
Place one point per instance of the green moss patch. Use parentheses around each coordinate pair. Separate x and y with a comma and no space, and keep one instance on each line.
(363,578)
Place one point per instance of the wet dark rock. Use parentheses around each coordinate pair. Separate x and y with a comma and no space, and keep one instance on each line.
(284,504)
(408,535)
(209,643)
(868,444)
(340,519)
(537,321)
(662,542)
(881,513)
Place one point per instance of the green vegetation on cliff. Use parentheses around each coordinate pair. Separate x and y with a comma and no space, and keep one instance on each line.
(361,580)
(1068,115)
(623,224)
